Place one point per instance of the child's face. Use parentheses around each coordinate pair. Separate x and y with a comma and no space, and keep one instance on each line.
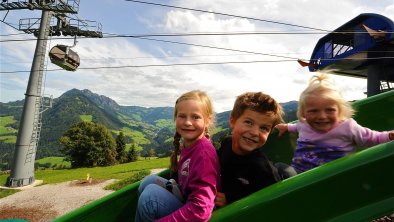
(250,131)
(190,122)
(321,114)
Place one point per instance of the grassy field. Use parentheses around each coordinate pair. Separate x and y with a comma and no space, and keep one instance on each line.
(8,139)
(7,132)
(4,193)
(86,118)
(4,121)
(54,162)
(126,173)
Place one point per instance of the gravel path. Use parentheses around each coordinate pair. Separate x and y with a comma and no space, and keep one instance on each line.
(43,203)
(51,200)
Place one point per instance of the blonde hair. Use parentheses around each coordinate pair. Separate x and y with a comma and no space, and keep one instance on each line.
(258,102)
(321,86)
(208,115)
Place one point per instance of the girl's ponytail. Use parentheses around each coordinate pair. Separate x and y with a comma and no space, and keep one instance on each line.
(207,135)
(174,156)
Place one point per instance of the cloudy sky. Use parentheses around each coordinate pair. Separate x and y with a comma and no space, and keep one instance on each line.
(152,76)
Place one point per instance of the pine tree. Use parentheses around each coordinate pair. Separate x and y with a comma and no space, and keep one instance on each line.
(152,152)
(121,156)
(133,154)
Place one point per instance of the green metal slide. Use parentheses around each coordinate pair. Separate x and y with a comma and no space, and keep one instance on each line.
(359,187)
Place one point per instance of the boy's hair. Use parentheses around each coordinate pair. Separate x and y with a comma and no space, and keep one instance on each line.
(258,102)
(208,115)
(320,85)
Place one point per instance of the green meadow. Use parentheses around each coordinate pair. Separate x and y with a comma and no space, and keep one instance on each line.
(8,134)
(53,162)
(86,118)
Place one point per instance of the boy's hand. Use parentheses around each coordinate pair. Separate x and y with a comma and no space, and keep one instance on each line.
(220,199)
(282,128)
(391,135)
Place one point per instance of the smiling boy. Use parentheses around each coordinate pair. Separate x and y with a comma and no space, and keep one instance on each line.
(244,169)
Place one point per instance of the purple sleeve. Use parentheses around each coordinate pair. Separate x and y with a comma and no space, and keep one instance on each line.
(203,178)
(367,137)
(292,128)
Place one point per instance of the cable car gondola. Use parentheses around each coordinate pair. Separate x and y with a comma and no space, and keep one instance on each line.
(64,57)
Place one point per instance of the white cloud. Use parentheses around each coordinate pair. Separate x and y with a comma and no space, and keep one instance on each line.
(389,11)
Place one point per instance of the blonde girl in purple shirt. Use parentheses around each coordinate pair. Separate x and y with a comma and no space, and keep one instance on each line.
(191,197)
(326,130)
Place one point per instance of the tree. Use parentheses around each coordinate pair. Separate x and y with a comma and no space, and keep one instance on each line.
(133,154)
(152,152)
(121,155)
(88,144)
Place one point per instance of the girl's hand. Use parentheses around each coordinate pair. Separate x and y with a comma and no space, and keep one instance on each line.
(171,186)
(282,128)
(220,199)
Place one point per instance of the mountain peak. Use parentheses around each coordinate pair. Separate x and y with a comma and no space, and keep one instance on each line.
(100,100)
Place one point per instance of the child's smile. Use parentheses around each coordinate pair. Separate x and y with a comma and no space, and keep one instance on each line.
(250,131)
(249,140)
(321,114)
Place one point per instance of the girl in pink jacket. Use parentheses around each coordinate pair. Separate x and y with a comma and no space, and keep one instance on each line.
(197,172)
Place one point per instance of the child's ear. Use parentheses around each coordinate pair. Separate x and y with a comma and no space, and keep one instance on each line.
(232,122)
